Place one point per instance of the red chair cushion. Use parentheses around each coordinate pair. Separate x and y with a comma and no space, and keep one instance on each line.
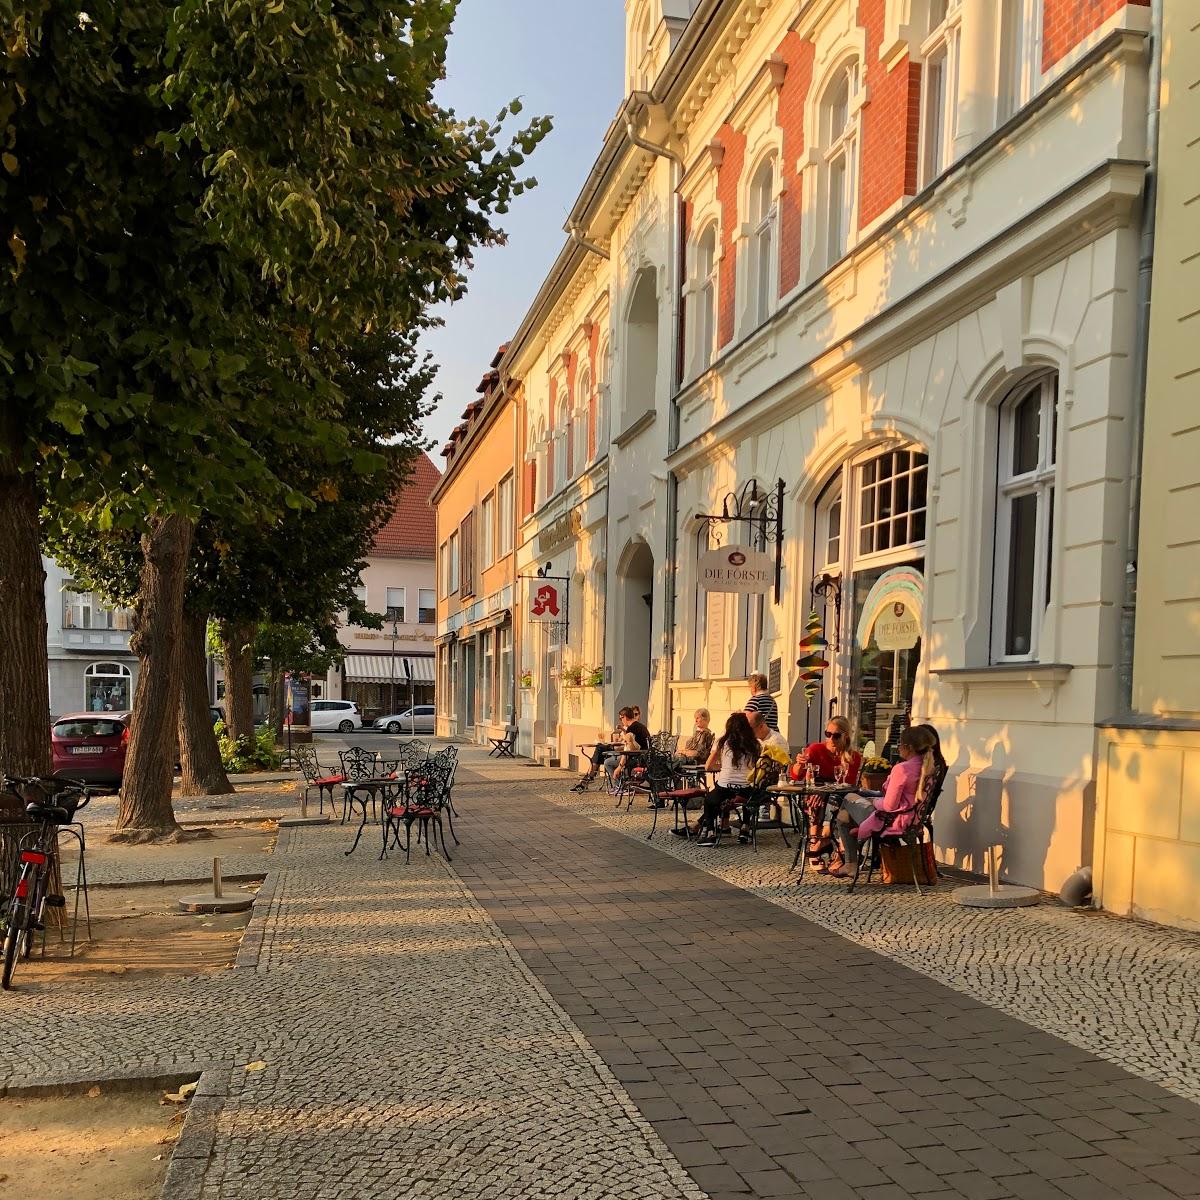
(331,779)
(683,793)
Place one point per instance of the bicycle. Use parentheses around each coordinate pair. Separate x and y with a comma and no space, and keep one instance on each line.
(39,850)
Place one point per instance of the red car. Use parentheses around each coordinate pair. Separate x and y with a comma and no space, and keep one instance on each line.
(90,746)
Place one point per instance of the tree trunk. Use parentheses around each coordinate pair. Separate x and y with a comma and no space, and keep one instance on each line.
(145,811)
(202,774)
(24,670)
(237,639)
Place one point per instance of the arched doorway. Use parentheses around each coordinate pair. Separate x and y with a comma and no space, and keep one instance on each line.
(632,651)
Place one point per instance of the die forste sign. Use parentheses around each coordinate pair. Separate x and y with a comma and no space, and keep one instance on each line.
(736,569)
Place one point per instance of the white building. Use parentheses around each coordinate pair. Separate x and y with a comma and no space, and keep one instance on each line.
(906,302)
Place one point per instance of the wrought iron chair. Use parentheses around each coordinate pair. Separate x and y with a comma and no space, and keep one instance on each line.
(413,754)
(912,837)
(424,800)
(317,776)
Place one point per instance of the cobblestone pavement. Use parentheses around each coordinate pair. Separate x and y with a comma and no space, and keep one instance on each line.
(775,1059)
(408,1051)
(1127,991)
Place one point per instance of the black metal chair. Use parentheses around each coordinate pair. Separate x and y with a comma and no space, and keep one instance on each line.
(317,776)
(424,799)
(413,754)
(912,837)
(504,747)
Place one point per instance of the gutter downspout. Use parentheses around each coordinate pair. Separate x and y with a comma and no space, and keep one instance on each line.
(673,257)
(576,236)
(505,394)
(1141,359)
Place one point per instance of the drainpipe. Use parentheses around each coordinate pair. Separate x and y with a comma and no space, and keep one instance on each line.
(576,235)
(505,394)
(677,168)
(1141,361)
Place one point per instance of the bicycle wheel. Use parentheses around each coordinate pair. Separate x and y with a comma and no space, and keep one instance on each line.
(35,913)
(13,933)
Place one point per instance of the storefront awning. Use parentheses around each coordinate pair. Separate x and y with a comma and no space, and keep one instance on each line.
(382,668)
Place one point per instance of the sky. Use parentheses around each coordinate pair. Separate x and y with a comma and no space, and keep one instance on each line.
(564,58)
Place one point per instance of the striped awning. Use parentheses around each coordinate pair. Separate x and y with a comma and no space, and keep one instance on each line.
(382,668)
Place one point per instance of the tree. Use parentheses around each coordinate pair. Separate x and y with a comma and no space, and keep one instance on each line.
(203,206)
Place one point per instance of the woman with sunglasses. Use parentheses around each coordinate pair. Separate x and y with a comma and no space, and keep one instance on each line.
(829,759)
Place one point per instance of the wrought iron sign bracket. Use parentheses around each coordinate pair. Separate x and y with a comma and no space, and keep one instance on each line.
(829,587)
(762,513)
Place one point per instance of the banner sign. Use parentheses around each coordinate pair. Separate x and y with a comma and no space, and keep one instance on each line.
(545,601)
(296,701)
(736,569)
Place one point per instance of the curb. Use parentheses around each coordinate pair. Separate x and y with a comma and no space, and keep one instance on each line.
(121,1083)
(189,879)
(193,1151)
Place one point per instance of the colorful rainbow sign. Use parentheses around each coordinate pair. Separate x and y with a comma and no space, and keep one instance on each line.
(894,610)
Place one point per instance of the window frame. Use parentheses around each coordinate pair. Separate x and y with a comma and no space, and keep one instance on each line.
(579,423)
(452,543)
(388,605)
(1040,482)
(840,147)
(764,209)
(504,523)
(1019,40)
(426,613)
(487,521)
(942,39)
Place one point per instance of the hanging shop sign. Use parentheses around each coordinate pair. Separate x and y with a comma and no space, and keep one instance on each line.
(736,569)
(545,601)
(893,610)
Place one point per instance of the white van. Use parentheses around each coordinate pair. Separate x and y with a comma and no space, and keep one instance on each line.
(341,715)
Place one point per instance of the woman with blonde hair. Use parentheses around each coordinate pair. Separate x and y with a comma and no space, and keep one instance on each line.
(835,755)
(862,816)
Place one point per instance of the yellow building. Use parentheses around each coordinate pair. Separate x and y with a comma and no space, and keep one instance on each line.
(1148,810)
(475,503)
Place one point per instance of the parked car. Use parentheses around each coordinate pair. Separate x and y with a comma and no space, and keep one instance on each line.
(411,720)
(341,715)
(90,747)
(217,713)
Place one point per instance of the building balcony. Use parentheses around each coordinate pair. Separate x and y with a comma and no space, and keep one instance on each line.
(96,641)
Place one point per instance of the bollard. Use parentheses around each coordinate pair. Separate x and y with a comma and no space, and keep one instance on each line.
(217,879)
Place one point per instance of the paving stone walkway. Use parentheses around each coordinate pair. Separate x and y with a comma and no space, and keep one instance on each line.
(570,1011)
(778,1060)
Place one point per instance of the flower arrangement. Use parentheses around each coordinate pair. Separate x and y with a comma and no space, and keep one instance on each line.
(527,679)
(874,772)
(572,676)
(875,764)
(594,677)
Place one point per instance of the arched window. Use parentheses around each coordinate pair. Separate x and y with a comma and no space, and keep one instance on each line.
(762,286)
(640,68)
(640,368)
(107,687)
(562,442)
(603,366)
(1025,516)
(1019,66)
(839,147)
(579,423)
(939,87)
(705,272)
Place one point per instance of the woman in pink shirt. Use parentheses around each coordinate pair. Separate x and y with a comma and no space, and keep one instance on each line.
(862,816)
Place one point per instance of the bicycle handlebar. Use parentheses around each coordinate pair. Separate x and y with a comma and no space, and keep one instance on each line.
(45,784)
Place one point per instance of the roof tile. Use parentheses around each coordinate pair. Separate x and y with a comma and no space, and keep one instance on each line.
(411,530)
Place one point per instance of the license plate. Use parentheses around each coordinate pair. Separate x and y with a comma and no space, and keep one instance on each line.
(87,749)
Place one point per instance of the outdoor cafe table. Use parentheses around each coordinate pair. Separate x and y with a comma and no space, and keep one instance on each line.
(371,789)
(825,792)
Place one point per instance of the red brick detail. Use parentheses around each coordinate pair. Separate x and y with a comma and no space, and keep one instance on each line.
(889,124)
(793,97)
(728,179)
(912,165)
(1066,23)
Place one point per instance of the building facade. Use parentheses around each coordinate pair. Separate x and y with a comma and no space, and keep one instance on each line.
(91,668)
(386,670)
(478,589)
(862,275)
(1148,819)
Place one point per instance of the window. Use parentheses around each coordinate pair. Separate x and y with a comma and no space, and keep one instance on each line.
(579,424)
(395,604)
(939,88)
(1019,66)
(641,357)
(444,569)
(85,610)
(107,687)
(762,248)
(705,278)
(892,501)
(487,531)
(505,666)
(466,555)
(562,451)
(640,66)
(360,594)
(426,606)
(452,586)
(504,515)
(840,142)
(486,676)
(1025,516)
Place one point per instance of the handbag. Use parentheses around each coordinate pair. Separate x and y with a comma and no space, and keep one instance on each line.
(897,863)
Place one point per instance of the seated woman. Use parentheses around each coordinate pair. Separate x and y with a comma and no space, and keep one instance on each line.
(733,758)
(694,751)
(634,736)
(861,816)
(825,758)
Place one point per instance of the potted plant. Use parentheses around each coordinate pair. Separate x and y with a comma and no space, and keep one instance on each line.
(594,677)
(572,676)
(527,679)
(874,772)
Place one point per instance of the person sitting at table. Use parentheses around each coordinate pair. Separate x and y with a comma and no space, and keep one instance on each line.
(733,758)
(635,736)
(825,758)
(862,816)
(694,751)
(595,756)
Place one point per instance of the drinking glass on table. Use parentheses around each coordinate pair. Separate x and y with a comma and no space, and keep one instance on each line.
(841,771)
